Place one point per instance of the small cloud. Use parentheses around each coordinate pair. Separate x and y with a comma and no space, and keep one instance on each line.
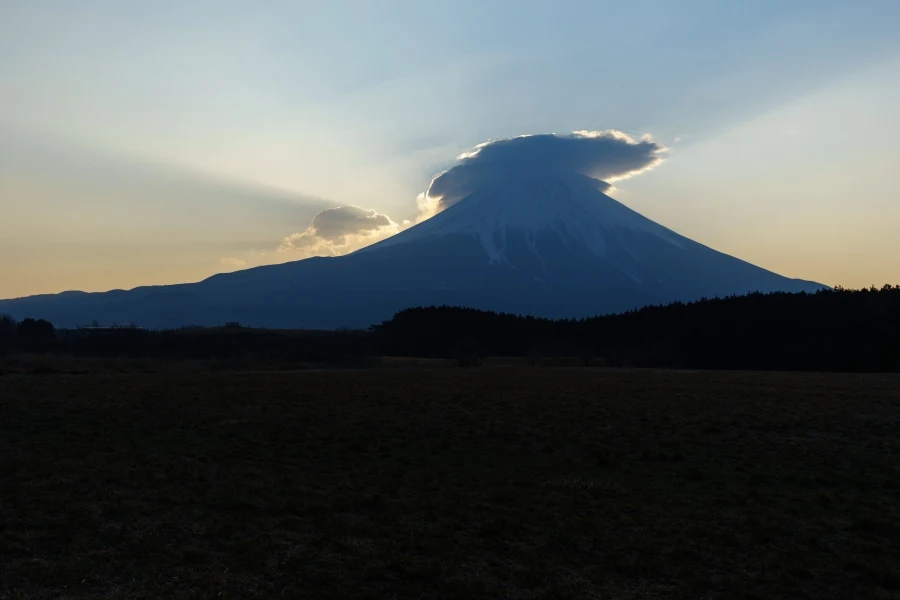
(233,263)
(337,231)
(605,156)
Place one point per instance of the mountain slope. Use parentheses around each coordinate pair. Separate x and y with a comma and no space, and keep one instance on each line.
(549,247)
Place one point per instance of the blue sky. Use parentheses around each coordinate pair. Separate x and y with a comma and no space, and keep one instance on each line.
(145,142)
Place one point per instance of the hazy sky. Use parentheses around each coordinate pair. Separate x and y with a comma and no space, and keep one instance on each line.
(156,142)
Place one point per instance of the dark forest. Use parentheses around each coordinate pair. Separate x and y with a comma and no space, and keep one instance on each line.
(830,330)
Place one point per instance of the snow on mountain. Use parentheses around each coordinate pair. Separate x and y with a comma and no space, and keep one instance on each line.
(571,207)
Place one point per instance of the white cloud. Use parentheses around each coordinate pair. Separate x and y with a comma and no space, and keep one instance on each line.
(337,231)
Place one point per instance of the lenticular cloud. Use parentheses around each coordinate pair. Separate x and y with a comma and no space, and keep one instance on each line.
(605,156)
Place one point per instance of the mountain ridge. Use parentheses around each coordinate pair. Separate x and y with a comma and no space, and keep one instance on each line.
(557,248)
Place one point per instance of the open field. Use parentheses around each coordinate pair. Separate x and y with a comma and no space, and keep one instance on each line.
(450,483)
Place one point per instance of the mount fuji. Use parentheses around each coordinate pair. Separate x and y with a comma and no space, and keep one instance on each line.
(551,245)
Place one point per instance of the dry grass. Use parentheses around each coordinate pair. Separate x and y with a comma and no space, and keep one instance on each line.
(485,483)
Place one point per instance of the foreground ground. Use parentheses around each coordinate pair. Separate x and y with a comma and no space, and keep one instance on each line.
(448,483)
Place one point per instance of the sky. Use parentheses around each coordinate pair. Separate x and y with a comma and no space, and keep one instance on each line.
(162,142)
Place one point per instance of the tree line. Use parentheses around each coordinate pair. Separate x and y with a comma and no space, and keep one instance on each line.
(233,344)
(29,335)
(830,330)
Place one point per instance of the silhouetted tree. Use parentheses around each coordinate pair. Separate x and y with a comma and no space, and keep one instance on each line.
(7,333)
(830,330)
(35,335)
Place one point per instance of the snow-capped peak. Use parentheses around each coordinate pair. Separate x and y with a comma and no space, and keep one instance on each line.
(571,206)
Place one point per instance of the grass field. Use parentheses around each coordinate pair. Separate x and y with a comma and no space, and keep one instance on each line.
(450,483)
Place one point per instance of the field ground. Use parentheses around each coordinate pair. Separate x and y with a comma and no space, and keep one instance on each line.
(450,483)
(47,364)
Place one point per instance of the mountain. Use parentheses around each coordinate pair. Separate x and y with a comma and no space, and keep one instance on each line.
(547,247)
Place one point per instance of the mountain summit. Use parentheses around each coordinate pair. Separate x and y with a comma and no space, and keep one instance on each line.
(544,244)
